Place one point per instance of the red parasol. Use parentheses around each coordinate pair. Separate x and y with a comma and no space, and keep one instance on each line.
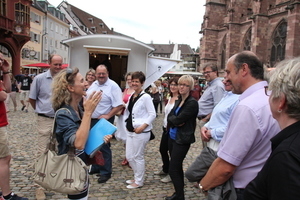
(44,65)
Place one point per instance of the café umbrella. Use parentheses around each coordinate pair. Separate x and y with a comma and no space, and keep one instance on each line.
(44,65)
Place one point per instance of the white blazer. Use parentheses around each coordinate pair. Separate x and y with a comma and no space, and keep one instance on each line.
(143,111)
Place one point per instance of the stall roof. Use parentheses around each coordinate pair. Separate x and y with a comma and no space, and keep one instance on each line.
(109,38)
(183,73)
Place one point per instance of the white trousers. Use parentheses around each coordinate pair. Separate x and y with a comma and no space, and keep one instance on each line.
(135,148)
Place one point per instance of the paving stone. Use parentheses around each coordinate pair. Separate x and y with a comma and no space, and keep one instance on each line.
(22,136)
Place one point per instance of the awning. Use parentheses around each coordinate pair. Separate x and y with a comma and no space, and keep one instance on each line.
(44,65)
(183,73)
(107,50)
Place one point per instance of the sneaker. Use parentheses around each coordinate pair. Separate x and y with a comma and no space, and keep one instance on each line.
(161,172)
(40,194)
(130,182)
(166,179)
(23,108)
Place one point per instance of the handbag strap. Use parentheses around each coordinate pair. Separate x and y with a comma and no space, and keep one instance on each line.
(51,145)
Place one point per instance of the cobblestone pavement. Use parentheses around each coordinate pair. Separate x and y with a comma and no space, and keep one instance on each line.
(22,135)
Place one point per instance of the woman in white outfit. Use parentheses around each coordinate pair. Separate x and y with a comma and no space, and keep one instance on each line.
(139,115)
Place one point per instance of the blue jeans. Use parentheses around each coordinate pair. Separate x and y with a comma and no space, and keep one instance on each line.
(105,170)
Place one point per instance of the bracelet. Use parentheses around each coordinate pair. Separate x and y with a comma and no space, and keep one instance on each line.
(201,189)
(6,72)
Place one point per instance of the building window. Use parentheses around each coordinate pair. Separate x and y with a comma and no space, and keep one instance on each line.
(5,51)
(51,25)
(35,18)
(3,7)
(34,37)
(247,40)
(22,14)
(278,44)
(223,53)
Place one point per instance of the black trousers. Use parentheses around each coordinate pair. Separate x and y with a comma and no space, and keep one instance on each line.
(164,151)
(155,106)
(178,153)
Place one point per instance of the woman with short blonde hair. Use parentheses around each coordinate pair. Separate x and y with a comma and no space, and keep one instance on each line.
(181,128)
(90,77)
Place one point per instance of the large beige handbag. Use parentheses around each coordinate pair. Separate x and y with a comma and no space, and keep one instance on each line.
(66,174)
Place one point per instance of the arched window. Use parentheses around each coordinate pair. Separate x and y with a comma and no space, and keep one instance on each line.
(223,53)
(278,43)
(247,40)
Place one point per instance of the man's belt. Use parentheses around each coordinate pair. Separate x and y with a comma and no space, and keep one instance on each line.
(43,115)
(201,117)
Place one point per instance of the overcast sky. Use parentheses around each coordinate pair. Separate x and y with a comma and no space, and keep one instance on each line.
(160,21)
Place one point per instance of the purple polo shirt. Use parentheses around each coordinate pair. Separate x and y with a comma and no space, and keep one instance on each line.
(246,142)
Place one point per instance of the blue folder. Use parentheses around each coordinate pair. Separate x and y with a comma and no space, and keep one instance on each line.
(96,136)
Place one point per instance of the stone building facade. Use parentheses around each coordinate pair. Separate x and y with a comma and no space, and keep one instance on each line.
(270,28)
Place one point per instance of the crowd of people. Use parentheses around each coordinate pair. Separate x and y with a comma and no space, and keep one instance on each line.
(249,127)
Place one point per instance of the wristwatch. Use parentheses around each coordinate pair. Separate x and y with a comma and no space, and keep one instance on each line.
(6,72)
(201,189)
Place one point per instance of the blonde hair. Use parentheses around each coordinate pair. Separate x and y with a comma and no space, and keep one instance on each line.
(187,78)
(285,80)
(126,75)
(60,93)
(90,70)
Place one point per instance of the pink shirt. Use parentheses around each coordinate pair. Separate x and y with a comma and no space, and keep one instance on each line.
(246,142)
(126,96)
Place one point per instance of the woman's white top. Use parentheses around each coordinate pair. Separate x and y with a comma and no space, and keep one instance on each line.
(168,109)
(143,111)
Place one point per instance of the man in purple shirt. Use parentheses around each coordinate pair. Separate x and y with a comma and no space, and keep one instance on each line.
(246,142)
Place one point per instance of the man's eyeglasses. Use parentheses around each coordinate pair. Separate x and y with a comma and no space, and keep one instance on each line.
(267,91)
(184,85)
(57,64)
(207,72)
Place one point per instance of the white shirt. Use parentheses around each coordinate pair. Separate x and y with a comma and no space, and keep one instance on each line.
(111,97)
(143,111)
(168,109)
